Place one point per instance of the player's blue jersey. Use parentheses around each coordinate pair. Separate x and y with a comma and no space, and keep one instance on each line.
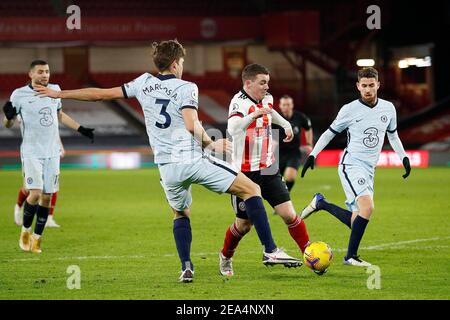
(162,98)
(39,122)
(366,128)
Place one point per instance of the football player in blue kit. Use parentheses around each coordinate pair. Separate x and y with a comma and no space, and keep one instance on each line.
(40,149)
(178,141)
(367,120)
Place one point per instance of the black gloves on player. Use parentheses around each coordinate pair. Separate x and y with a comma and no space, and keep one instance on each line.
(87,132)
(407,167)
(309,163)
(9,110)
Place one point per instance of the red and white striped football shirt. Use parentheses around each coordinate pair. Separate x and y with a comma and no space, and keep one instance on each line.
(252,149)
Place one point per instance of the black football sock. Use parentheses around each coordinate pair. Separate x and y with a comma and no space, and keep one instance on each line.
(343,215)
(183,238)
(28,214)
(41,219)
(358,228)
(258,216)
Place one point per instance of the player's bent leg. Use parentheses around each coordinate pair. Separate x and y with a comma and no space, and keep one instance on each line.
(183,238)
(246,189)
(296,226)
(286,211)
(232,237)
(243,226)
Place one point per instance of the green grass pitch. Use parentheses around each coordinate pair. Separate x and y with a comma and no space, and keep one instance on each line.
(117,228)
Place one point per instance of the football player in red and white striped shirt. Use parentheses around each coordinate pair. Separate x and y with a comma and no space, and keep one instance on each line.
(250,119)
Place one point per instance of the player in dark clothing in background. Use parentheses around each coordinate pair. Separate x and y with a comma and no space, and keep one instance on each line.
(290,152)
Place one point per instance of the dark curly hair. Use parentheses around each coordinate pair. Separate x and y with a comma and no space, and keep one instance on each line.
(166,52)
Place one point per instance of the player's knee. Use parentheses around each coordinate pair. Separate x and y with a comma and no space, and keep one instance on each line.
(180,214)
(366,212)
(288,217)
(34,196)
(243,225)
(253,189)
(286,212)
(45,200)
(366,206)
(289,177)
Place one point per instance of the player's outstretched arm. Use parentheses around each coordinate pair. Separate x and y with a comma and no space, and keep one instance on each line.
(72,124)
(323,141)
(87,94)
(10,114)
(194,126)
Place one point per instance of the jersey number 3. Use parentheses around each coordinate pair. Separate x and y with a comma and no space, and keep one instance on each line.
(163,112)
(47,119)
(372,139)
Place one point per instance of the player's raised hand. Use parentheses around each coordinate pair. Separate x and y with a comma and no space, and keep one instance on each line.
(46,92)
(221,146)
(407,166)
(87,132)
(9,110)
(309,163)
(289,135)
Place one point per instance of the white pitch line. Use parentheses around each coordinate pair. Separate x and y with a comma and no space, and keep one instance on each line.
(391,245)
(80,258)
(400,243)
